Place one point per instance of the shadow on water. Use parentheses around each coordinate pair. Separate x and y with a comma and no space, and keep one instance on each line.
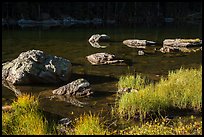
(94,79)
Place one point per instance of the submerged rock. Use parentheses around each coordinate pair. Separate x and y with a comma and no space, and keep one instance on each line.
(136,43)
(102,58)
(35,66)
(79,87)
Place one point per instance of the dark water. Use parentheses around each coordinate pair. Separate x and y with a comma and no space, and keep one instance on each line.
(72,44)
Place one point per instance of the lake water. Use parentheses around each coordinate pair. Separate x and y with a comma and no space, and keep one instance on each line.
(72,44)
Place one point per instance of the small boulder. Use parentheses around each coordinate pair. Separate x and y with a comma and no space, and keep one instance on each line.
(99,38)
(136,43)
(182,42)
(102,58)
(79,87)
(140,52)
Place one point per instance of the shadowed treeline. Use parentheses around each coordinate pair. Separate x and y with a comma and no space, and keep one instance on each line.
(120,12)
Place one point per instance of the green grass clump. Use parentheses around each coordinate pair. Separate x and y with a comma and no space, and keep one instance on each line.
(25,118)
(89,125)
(165,127)
(182,89)
(132,82)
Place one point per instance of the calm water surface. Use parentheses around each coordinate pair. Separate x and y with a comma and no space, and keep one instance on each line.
(72,44)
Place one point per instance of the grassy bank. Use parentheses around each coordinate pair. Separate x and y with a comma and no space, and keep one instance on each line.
(182,89)
(25,118)
(88,124)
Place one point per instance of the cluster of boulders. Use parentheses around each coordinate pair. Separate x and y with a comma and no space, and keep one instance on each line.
(169,45)
(35,66)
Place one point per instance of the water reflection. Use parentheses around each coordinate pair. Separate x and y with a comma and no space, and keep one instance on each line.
(97,45)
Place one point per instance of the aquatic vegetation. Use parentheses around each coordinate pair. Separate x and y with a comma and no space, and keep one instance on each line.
(25,118)
(182,89)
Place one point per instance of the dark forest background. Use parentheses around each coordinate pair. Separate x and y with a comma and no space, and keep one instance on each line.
(121,12)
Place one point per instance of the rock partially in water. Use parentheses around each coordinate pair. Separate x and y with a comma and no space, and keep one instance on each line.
(99,38)
(140,52)
(136,43)
(79,87)
(65,121)
(182,42)
(96,45)
(103,58)
(167,49)
(35,66)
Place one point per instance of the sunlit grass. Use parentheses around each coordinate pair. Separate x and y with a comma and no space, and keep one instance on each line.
(182,89)
(25,118)
(165,127)
(89,124)
(132,82)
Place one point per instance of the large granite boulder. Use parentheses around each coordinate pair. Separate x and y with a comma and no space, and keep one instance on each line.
(136,43)
(35,66)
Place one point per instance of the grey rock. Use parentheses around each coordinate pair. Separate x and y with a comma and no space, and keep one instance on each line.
(99,38)
(167,49)
(136,43)
(35,66)
(182,42)
(103,58)
(140,52)
(79,87)
(65,121)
